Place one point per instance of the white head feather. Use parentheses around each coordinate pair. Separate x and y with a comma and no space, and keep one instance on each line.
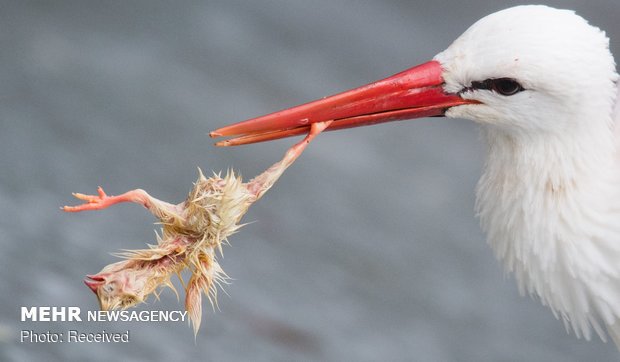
(549,197)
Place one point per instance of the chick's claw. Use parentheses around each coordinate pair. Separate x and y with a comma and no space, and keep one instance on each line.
(99,201)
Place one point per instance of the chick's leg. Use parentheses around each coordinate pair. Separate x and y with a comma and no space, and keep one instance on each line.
(263,182)
(164,211)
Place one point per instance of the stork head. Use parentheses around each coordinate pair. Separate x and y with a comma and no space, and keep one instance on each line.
(527,69)
(532,69)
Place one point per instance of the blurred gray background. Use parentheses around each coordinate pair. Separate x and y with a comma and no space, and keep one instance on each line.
(367,249)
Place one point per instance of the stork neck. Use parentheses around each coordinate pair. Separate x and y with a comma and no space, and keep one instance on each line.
(550,208)
(536,192)
(543,161)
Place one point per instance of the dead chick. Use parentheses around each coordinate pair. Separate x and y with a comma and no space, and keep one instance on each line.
(192,232)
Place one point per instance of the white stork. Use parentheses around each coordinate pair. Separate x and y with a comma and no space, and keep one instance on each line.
(542,83)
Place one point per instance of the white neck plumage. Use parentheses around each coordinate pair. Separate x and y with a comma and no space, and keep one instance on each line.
(555,220)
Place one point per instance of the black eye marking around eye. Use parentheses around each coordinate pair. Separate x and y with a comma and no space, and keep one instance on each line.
(503,86)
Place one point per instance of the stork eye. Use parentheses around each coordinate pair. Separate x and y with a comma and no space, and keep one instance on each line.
(506,86)
(503,86)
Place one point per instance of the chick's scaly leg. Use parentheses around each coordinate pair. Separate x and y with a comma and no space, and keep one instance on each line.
(263,182)
(161,209)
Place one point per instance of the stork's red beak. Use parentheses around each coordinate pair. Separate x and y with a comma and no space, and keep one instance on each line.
(414,93)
